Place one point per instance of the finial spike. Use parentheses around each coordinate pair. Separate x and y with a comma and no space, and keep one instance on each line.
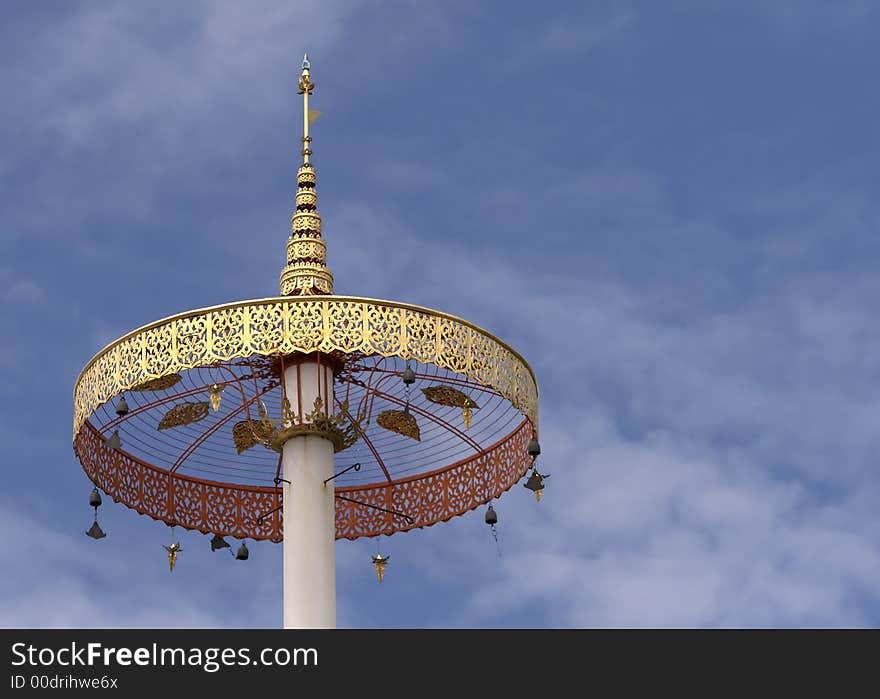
(306,272)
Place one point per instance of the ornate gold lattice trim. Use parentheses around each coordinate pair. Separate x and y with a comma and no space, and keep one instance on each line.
(310,324)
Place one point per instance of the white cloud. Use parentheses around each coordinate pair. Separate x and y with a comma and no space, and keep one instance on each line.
(709,466)
(59,578)
(113,66)
(705,472)
(584,31)
(16,289)
(689,481)
(796,19)
(48,583)
(25,291)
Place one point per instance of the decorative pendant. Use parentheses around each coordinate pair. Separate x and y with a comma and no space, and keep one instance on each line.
(216,390)
(379,563)
(95,531)
(173,550)
(113,441)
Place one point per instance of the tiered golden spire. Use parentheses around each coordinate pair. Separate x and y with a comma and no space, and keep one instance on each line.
(306,272)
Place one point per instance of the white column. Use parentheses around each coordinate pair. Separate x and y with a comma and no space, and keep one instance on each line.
(309,523)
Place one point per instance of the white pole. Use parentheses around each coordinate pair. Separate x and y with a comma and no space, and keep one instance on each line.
(309,522)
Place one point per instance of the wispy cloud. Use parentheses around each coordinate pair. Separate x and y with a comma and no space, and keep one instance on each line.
(691,457)
(705,354)
(104,74)
(797,18)
(584,30)
(59,578)
(20,290)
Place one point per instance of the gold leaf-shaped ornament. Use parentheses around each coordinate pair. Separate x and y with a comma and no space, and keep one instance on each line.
(159,384)
(447,395)
(184,414)
(400,421)
(249,433)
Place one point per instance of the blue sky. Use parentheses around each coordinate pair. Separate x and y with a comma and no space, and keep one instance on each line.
(671,209)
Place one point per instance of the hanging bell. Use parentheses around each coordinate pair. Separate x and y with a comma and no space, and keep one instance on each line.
(536,484)
(218,542)
(122,407)
(95,498)
(95,531)
(491,516)
(242,553)
(113,441)
(409,376)
(534,448)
